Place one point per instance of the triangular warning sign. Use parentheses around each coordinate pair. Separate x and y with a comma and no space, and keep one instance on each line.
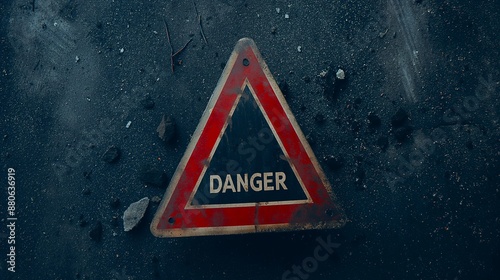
(248,167)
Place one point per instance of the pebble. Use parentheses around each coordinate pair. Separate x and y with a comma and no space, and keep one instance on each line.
(111,155)
(134,213)
(166,129)
(340,74)
(147,103)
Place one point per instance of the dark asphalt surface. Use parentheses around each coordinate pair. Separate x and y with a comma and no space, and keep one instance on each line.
(409,142)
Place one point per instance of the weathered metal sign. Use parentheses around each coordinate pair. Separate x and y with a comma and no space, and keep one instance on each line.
(248,167)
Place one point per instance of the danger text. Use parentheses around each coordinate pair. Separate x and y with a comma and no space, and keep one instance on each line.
(266,181)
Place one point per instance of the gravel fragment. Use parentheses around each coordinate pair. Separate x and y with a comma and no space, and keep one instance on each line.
(134,213)
(111,155)
(166,129)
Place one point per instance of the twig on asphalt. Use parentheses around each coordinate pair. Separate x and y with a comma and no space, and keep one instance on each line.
(199,23)
(171,48)
(181,49)
(172,54)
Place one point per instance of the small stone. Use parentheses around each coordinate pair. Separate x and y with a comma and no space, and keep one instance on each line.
(96,232)
(287,16)
(122,50)
(151,175)
(147,103)
(167,129)
(77,59)
(323,73)
(128,124)
(299,48)
(340,74)
(111,155)
(156,199)
(134,213)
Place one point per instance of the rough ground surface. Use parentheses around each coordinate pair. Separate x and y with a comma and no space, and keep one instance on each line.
(409,141)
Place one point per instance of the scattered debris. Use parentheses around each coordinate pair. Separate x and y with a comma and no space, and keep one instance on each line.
(167,129)
(147,103)
(156,199)
(96,232)
(299,48)
(323,73)
(111,155)
(278,10)
(128,124)
(199,23)
(287,16)
(340,74)
(382,34)
(134,213)
(150,175)
(122,50)
(77,59)
(172,54)
(334,82)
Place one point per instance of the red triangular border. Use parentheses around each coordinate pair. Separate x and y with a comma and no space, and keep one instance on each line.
(173,219)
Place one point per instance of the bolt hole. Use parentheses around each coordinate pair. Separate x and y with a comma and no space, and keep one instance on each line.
(171,220)
(246,62)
